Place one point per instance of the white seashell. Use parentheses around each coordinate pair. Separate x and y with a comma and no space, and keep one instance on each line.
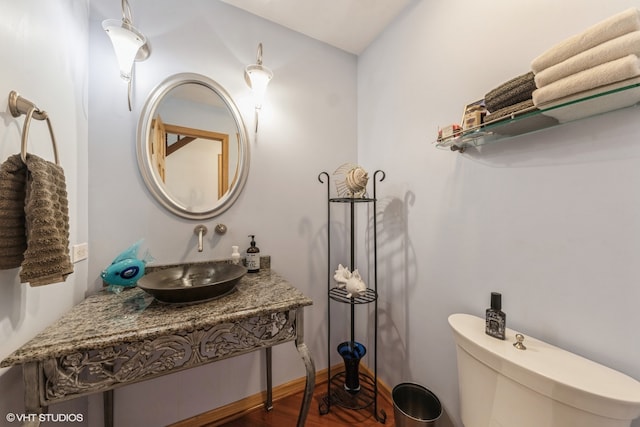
(355,180)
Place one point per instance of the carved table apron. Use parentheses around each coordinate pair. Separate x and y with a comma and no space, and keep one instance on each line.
(130,337)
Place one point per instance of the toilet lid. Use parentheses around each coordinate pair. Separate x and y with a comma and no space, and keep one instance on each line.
(552,371)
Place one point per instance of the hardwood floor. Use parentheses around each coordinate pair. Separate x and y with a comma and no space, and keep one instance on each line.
(285,414)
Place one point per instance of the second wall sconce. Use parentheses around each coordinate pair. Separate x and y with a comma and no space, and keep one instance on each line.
(129,44)
(258,77)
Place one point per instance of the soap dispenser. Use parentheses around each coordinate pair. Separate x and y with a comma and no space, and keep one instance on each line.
(496,320)
(253,256)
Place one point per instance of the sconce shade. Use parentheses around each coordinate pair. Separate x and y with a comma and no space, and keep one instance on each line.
(259,77)
(128,44)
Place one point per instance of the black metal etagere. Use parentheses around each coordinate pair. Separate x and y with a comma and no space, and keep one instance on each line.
(367,395)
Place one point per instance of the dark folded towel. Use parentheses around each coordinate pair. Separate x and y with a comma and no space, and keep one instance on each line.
(13,235)
(516,109)
(34,220)
(516,90)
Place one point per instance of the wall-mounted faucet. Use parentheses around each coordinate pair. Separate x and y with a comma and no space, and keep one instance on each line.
(200,231)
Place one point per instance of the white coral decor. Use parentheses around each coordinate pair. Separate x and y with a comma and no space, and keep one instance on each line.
(352,282)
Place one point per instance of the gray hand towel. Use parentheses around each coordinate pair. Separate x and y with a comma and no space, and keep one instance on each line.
(13,235)
(44,227)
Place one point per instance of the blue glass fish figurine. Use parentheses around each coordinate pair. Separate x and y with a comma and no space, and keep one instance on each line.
(126,269)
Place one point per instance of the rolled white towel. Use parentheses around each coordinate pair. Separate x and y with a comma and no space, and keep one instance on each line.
(615,26)
(608,51)
(600,75)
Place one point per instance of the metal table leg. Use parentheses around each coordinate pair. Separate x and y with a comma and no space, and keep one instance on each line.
(303,350)
(268,405)
(107,408)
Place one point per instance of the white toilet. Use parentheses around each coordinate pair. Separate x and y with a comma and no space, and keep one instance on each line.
(540,386)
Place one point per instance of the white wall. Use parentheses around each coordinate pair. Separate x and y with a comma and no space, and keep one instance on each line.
(44,58)
(308,125)
(552,220)
(548,219)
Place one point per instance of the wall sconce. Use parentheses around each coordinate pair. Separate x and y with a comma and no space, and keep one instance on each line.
(128,42)
(258,77)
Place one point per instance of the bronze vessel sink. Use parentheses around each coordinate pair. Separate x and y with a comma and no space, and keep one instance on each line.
(192,282)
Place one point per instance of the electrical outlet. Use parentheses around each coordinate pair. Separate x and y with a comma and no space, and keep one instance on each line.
(79,252)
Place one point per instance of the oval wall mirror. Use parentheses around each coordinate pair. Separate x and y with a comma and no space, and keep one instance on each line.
(193,149)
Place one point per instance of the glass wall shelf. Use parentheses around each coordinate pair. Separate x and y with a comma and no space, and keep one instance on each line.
(581,106)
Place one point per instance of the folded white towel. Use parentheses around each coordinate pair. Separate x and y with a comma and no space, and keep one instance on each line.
(600,75)
(608,51)
(615,26)
(601,104)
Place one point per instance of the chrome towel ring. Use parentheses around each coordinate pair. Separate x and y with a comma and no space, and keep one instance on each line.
(18,106)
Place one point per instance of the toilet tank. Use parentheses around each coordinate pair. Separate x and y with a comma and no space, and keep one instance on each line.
(542,386)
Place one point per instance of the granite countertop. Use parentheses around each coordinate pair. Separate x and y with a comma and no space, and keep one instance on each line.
(106,319)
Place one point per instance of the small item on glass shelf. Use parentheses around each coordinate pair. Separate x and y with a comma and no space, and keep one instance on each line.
(449,132)
(473,115)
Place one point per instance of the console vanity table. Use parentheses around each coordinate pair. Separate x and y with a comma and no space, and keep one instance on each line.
(110,340)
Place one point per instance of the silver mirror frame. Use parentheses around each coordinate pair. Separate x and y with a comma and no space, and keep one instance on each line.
(144,159)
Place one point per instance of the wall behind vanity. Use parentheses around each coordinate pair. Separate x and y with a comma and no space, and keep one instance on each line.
(307,125)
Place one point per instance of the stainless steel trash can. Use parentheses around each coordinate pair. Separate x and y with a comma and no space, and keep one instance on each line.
(414,406)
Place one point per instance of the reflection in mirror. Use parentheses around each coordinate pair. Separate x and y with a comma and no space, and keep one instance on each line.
(199,156)
(192,146)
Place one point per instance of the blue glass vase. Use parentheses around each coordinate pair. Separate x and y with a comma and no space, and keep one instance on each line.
(351,353)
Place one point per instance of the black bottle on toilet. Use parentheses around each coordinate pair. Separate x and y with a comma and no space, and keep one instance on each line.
(496,320)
